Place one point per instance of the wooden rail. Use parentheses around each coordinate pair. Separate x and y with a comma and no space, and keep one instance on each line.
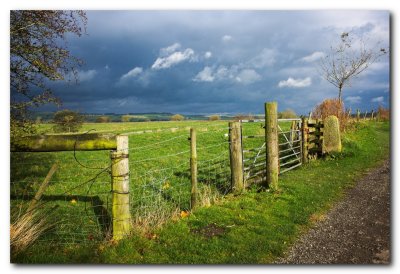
(65,142)
(118,144)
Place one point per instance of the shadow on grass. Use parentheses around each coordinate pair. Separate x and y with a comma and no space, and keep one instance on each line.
(97,206)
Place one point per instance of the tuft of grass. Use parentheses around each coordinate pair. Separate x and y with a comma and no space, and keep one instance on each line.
(26,229)
(153,219)
(208,196)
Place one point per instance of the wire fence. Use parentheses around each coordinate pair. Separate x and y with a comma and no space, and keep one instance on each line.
(76,201)
(160,174)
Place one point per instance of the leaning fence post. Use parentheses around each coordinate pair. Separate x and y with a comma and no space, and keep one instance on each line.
(121,216)
(236,156)
(271,140)
(193,167)
(304,137)
(42,188)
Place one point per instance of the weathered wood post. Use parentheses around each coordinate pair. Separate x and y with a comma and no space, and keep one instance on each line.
(121,216)
(372,114)
(292,132)
(304,139)
(365,115)
(358,115)
(349,113)
(42,188)
(236,157)
(271,140)
(193,167)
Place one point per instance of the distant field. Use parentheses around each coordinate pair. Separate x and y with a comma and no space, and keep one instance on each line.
(127,127)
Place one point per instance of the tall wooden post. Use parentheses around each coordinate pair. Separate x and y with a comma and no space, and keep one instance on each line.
(304,137)
(193,167)
(365,115)
(372,114)
(358,115)
(121,216)
(236,156)
(271,140)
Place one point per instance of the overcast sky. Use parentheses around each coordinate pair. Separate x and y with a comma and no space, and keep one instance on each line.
(218,62)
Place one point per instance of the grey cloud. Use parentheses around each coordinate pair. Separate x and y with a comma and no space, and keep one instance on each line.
(192,66)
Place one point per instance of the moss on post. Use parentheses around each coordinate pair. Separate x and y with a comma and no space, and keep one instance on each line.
(193,168)
(121,216)
(64,142)
(271,139)
(331,141)
(236,157)
(304,140)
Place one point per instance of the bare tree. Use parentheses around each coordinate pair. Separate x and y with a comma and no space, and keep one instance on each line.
(348,59)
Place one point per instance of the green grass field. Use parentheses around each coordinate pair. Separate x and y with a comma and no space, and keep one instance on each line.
(251,228)
(159,177)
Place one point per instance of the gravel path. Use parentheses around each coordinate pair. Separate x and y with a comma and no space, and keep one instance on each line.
(355,231)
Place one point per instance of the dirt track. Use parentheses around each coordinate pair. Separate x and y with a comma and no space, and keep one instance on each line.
(355,231)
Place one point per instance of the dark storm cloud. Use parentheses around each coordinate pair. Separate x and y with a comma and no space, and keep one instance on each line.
(215,61)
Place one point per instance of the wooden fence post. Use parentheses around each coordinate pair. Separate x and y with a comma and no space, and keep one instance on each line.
(304,137)
(292,132)
(358,115)
(372,115)
(365,115)
(42,188)
(236,156)
(121,216)
(193,167)
(272,148)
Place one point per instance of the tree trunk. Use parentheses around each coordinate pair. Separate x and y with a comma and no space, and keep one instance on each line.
(340,94)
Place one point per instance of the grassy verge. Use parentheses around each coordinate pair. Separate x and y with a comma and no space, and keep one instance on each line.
(256,227)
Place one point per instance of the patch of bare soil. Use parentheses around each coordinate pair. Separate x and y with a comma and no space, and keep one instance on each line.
(355,231)
(209,231)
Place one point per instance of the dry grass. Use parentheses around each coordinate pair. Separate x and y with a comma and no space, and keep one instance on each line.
(332,107)
(207,196)
(154,219)
(26,229)
(383,114)
(317,217)
(150,220)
